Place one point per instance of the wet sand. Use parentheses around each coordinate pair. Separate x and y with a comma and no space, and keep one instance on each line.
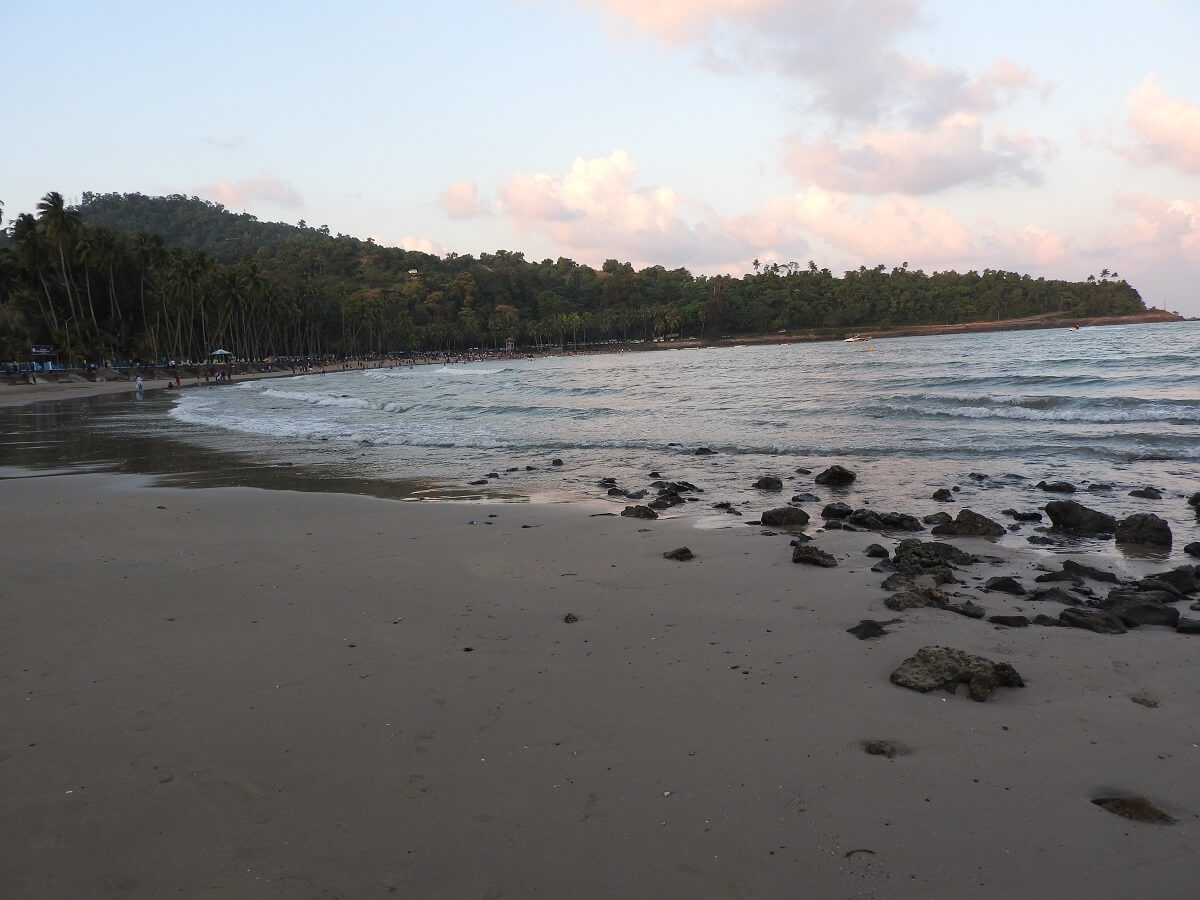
(245,693)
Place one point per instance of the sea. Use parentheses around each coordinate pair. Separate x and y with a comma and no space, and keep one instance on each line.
(986,415)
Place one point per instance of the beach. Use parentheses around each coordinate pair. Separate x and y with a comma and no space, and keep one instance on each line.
(236,692)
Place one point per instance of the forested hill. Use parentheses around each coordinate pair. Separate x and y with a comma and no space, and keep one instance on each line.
(130,276)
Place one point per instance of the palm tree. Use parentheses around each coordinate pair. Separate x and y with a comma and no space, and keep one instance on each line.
(61,226)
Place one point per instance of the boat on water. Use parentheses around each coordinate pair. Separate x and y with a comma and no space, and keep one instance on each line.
(855,339)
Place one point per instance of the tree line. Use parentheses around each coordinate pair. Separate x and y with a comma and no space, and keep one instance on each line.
(130,277)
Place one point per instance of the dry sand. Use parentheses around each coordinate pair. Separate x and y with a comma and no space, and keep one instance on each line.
(256,694)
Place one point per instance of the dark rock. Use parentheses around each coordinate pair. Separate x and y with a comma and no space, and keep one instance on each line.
(639,512)
(886,749)
(617,492)
(869,628)
(876,551)
(1188,626)
(478,481)
(1099,488)
(636,495)
(966,608)
(570,618)
(703,451)
(1133,613)
(1056,595)
(937,518)
(1078,568)
(1139,809)
(607,482)
(1184,579)
(654,475)
(805,498)
(944,667)
(1048,621)
(682,554)
(970,524)
(839,525)
(943,496)
(666,500)
(1148,702)
(1057,487)
(888,521)
(1146,493)
(1097,620)
(1194,501)
(1061,575)
(1006,584)
(914,556)
(724,504)
(836,476)
(1117,596)
(1075,518)
(492,475)
(1192,549)
(1041,541)
(813,557)
(556,462)
(803,471)
(836,511)
(1032,516)
(1009,621)
(785,517)
(884,565)
(1144,528)
(769,483)
(903,600)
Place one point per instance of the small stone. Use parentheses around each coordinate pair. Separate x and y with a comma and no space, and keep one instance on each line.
(556,462)
(836,476)
(639,512)
(883,748)
(1139,809)
(942,495)
(869,628)
(703,451)
(1005,584)
(1009,621)
(813,556)
(682,554)
(876,551)
(570,618)
(1148,702)
(769,483)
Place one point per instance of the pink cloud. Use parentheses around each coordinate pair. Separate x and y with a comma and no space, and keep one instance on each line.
(1167,129)
(916,161)
(1159,229)
(263,188)
(461,201)
(595,211)
(677,21)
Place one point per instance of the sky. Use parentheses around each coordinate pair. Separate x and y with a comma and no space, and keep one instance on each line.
(1054,138)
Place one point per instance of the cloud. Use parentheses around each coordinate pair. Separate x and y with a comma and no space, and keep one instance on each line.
(461,201)
(677,21)
(250,191)
(1159,229)
(595,212)
(914,161)
(1167,129)
(420,244)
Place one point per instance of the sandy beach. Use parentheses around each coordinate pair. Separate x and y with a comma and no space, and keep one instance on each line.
(250,693)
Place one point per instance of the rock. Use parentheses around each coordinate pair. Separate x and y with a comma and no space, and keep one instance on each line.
(836,511)
(902,600)
(869,628)
(970,524)
(785,517)
(1183,579)
(1099,488)
(617,492)
(556,462)
(883,748)
(769,483)
(966,608)
(1139,809)
(875,551)
(636,495)
(639,512)
(1061,575)
(1075,518)
(1097,620)
(888,521)
(478,481)
(805,498)
(1032,516)
(914,557)
(682,554)
(1188,626)
(1009,621)
(1041,541)
(937,518)
(836,476)
(1006,584)
(1146,493)
(570,618)
(1148,702)
(1133,613)
(1056,595)
(1078,568)
(1144,528)
(884,565)
(977,476)
(703,451)
(942,495)
(1057,487)
(1049,621)
(944,667)
(839,525)
(813,557)
(1192,549)
(803,471)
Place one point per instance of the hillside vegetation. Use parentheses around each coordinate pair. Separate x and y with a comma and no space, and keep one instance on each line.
(125,276)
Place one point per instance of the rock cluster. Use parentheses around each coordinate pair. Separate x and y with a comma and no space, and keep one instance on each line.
(931,668)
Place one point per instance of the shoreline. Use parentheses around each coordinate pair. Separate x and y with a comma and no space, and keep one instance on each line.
(252,693)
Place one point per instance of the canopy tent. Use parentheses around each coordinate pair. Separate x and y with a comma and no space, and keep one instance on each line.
(220,353)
